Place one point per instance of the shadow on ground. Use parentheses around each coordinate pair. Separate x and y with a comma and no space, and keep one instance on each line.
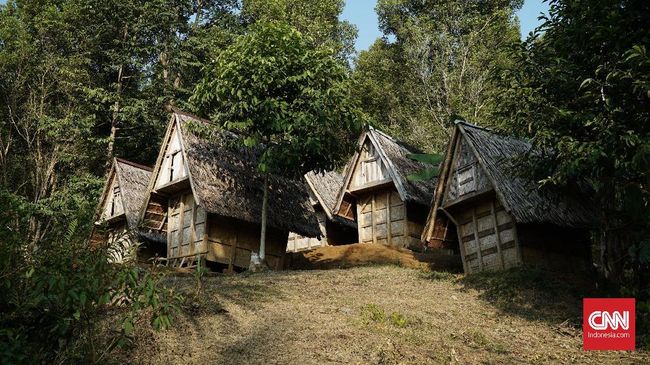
(533,294)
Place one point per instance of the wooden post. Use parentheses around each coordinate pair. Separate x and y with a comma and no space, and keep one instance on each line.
(462,250)
(374,223)
(477,240)
(389,236)
(205,234)
(233,252)
(181,219)
(265,202)
(495,222)
(193,227)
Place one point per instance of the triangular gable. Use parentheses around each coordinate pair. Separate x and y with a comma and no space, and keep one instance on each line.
(171,166)
(378,168)
(171,150)
(111,204)
(472,178)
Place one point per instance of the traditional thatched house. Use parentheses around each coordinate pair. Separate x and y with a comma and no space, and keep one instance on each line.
(335,230)
(116,220)
(207,200)
(500,219)
(388,208)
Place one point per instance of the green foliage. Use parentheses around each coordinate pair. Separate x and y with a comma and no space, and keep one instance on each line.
(581,92)
(436,59)
(429,173)
(276,89)
(319,20)
(372,313)
(52,297)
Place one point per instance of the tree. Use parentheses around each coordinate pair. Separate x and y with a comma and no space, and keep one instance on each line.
(580,89)
(436,60)
(319,20)
(587,107)
(277,90)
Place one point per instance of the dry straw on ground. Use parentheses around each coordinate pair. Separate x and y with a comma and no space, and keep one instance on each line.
(373,315)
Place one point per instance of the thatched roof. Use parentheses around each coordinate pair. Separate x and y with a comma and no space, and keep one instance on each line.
(521,197)
(132,178)
(326,187)
(228,183)
(394,154)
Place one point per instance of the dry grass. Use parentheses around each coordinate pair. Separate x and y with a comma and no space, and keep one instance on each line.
(368,315)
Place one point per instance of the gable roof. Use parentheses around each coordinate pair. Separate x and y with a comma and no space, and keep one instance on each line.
(325,187)
(394,155)
(227,183)
(132,178)
(521,197)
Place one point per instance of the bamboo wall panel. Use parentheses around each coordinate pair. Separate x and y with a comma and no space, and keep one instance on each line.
(370,168)
(382,219)
(467,176)
(186,227)
(487,235)
(172,167)
(227,234)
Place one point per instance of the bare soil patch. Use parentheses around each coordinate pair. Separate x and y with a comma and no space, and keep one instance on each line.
(368,315)
(345,256)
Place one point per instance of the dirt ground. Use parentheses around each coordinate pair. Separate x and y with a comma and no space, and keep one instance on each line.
(339,257)
(373,315)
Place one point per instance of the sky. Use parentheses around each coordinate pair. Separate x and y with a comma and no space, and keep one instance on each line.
(362,14)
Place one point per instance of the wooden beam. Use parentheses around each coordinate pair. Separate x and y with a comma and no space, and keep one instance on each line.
(193,227)
(462,250)
(374,223)
(233,252)
(495,223)
(181,217)
(477,240)
(389,236)
(205,233)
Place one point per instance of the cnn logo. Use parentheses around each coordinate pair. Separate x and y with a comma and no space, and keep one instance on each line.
(601,320)
(608,323)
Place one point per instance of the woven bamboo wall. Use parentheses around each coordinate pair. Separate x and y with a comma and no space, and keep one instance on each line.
(488,237)
(231,241)
(382,218)
(186,227)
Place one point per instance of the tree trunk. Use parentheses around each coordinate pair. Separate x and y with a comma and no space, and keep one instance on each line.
(265,204)
(116,107)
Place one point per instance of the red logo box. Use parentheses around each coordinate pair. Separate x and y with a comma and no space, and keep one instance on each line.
(608,323)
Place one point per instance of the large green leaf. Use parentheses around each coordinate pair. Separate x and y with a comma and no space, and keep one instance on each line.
(428,173)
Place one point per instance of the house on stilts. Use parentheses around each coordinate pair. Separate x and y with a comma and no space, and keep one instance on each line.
(376,194)
(122,199)
(206,199)
(323,189)
(498,219)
